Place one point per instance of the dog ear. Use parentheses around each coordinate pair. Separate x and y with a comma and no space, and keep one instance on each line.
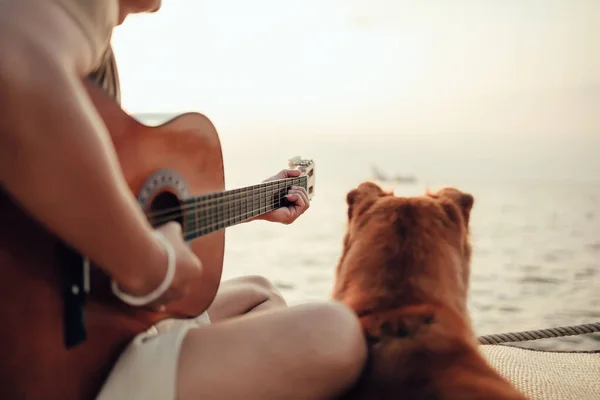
(357,197)
(464,201)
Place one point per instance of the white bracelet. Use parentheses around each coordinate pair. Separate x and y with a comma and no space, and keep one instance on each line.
(156,293)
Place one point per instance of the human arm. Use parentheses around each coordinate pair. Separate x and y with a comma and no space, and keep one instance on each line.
(56,157)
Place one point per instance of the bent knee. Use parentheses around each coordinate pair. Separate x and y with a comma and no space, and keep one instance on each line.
(260,284)
(344,346)
(258,281)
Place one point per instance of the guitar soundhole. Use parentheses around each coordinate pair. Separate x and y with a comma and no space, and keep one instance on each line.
(165,207)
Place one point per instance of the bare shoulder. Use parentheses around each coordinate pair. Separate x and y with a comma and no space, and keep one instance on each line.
(75,32)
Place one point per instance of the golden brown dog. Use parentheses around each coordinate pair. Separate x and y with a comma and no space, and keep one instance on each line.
(405,270)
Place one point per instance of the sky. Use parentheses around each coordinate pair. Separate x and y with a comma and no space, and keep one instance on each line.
(520,72)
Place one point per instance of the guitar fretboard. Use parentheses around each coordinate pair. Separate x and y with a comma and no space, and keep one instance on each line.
(212,212)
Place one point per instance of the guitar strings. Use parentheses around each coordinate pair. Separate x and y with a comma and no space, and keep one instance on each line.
(206,200)
(210,228)
(235,206)
(209,205)
(190,203)
(219,205)
(226,195)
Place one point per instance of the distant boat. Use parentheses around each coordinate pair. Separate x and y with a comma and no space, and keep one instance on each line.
(381,176)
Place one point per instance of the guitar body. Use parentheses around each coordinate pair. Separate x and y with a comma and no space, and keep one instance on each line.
(34,363)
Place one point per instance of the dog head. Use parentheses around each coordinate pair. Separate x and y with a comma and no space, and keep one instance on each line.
(401,251)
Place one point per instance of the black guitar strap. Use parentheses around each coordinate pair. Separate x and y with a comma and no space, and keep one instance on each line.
(75,290)
(76,271)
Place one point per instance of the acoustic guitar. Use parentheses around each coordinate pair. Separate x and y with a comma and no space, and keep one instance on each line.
(176,172)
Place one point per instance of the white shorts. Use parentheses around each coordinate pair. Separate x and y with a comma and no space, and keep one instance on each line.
(147,368)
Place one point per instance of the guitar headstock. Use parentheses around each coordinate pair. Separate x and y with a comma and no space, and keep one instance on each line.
(308,168)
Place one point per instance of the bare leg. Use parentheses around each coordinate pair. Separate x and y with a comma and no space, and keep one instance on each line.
(245,294)
(312,351)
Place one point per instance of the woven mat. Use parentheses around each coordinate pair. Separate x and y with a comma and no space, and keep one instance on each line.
(542,375)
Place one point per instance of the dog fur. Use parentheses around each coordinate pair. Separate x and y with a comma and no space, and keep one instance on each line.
(405,270)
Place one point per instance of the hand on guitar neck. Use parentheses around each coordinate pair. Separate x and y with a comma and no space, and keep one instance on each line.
(297,197)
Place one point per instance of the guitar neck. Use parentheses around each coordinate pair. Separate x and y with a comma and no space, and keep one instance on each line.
(212,212)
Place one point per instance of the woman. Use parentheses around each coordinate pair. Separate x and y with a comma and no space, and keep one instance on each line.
(255,347)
